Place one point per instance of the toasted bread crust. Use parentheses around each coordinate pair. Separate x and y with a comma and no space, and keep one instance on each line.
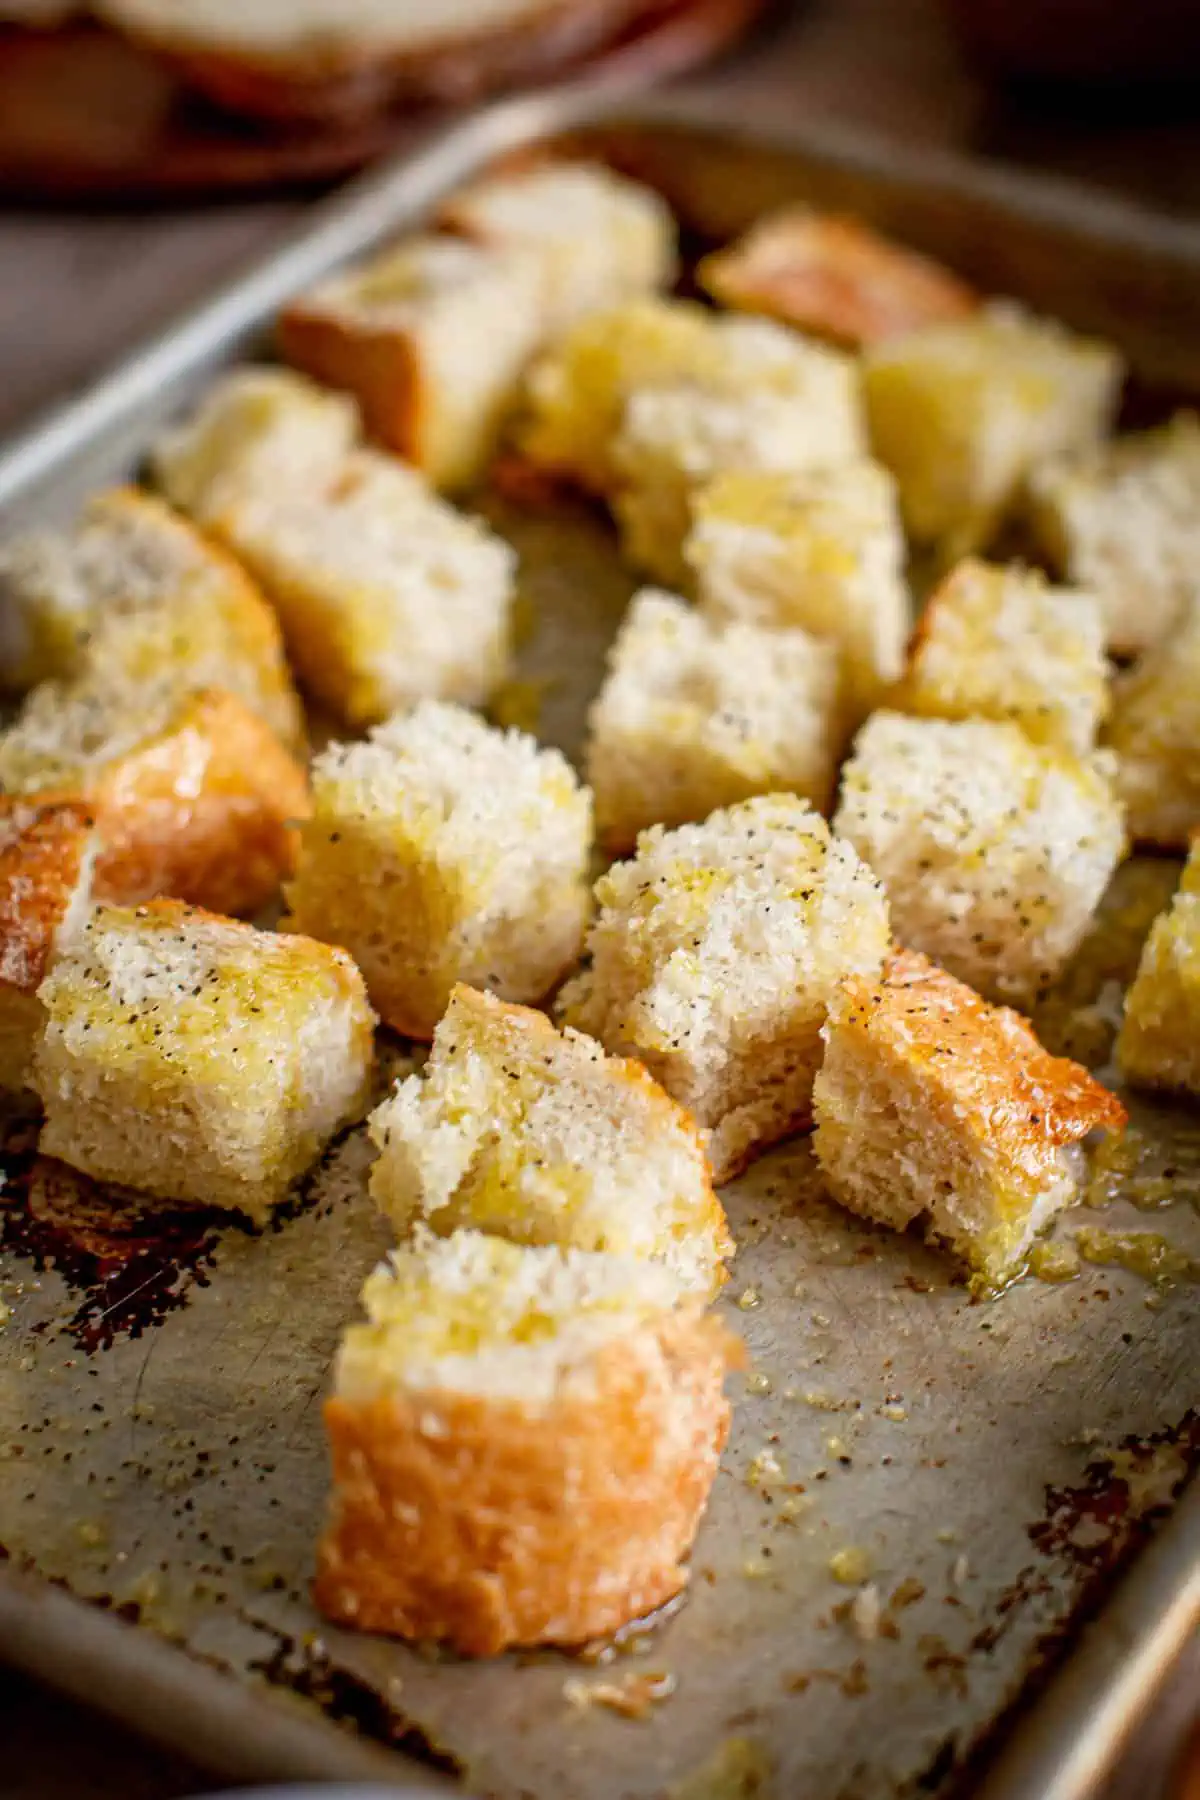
(378,366)
(482,1523)
(43,858)
(834,276)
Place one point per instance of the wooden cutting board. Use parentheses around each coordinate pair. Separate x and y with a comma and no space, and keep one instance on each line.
(86,116)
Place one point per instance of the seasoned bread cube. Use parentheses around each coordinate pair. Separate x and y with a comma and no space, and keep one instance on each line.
(523,1444)
(822,551)
(994,851)
(1155,733)
(197,1059)
(713,957)
(192,794)
(535,1135)
(431,338)
(255,430)
(578,392)
(1122,519)
(932,1105)
(46,858)
(1159,1041)
(961,412)
(693,716)
(675,438)
(833,276)
(997,642)
(442,850)
(601,238)
(386,594)
(133,581)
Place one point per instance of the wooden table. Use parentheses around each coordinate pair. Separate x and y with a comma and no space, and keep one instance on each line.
(77,288)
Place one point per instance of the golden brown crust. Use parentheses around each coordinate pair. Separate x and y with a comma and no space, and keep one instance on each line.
(43,856)
(377,365)
(483,1523)
(836,277)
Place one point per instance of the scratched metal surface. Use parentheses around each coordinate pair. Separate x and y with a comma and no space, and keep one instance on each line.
(985,1467)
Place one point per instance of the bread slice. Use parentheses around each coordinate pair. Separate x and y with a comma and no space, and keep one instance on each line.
(1155,733)
(1159,1041)
(46,858)
(962,412)
(998,642)
(440,851)
(537,1136)
(431,338)
(193,795)
(601,238)
(821,552)
(933,1106)
(523,1444)
(835,277)
(994,851)
(197,1059)
(255,430)
(713,957)
(693,716)
(794,407)
(1122,519)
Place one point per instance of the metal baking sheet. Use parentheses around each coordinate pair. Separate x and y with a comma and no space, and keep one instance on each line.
(984,1471)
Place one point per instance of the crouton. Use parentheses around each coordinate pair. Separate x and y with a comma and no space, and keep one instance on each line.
(431,338)
(674,438)
(442,850)
(994,850)
(1155,734)
(197,1059)
(932,1105)
(523,1444)
(255,430)
(1122,519)
(999,643)
(46,858)
(386,594)
(538,1136)
(961,412)
(821,551)
(577,393)
(601,238)
(713,957)
(135,582)
(693,716)
(1159,1041)
(192,794)
(834,277)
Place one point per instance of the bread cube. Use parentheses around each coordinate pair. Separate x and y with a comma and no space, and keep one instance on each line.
(994,850)
(693,716)
(932,1105)
(46,858)
(713,957)
(1159,1041)
(675,438)
(834,277)
(578,392)
(197,1059)
(997,642)
(822,552)
(442,850)
(1122,519)
(255,430)
(601,238)
(1155,733)
(193,795)
(961,412)
(386,594)
(523,1443)
(431,338)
